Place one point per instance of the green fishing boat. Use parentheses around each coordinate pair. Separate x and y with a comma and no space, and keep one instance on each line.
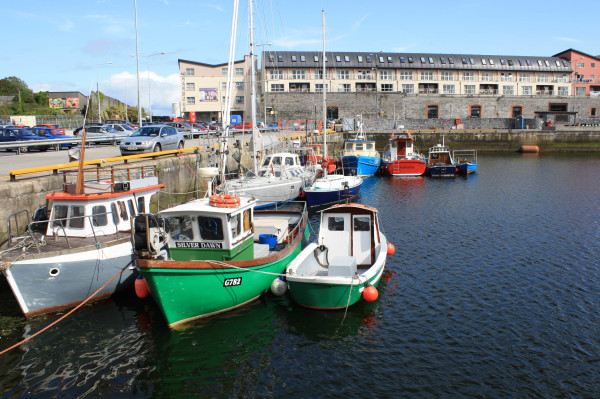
(215,254)
(345,264)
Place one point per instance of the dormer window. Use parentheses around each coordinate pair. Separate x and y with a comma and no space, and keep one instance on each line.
(302,58)
(360,59)
(347,59)
(293,58)
(280,58)
(316,59)
(368,59)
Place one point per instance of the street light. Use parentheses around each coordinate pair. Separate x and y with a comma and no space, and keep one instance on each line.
(148,69)
(376,88)
(264,82)
(98,88)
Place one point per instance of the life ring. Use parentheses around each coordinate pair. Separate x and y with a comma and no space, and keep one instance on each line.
(224,201)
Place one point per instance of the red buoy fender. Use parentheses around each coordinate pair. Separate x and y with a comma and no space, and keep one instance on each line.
(391,249)
(370,293)
(141,287)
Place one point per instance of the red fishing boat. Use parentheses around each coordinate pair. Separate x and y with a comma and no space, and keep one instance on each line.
(401,158)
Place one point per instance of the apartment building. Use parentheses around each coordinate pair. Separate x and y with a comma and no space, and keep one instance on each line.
(204,86)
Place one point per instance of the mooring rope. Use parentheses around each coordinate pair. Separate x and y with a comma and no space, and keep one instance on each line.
(67,314)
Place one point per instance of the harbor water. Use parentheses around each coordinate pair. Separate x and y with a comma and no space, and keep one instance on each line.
(494,291)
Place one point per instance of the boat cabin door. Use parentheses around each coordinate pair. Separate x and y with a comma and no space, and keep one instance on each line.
(348,235)
(361,239)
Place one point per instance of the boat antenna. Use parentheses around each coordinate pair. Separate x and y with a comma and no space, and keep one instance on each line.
(325,157)
(253,88)
(79,184)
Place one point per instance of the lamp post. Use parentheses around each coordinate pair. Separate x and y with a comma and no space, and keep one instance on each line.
(148,70)
(575,90)
(98,88)
(376,88)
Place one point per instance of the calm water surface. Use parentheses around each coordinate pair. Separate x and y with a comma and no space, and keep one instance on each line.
(494,291)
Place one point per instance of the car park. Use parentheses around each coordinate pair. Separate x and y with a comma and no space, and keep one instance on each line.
(103,134)
(153,138)
(14,134)
(51,133)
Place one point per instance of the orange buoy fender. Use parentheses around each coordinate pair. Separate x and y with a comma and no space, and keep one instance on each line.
(224,201)
(370,293)
(390,249)
(141,287)
(529,149)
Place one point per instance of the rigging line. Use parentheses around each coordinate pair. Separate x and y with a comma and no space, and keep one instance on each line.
(349,294)
(67,314)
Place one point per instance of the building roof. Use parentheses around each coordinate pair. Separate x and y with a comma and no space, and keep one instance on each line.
(561,54)
(179,61)
(382,60)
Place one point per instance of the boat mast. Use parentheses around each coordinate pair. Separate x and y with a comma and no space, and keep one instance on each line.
(227,116)
(325,157)
(252,87)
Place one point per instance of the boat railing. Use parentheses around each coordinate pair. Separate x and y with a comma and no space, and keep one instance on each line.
(110,175)
(464,156)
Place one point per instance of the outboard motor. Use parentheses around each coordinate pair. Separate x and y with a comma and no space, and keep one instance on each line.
(149,235)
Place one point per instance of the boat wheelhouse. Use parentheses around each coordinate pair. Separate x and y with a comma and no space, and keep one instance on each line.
(401,157)
(440,161)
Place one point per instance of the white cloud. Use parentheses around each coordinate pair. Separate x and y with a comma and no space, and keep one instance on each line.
(568,39)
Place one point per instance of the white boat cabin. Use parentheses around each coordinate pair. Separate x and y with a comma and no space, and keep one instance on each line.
(356,147)
(106,208)
(277,163)
(401,147)
(351,230)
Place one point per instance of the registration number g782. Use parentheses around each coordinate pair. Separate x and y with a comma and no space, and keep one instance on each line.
(230,282)
(131,147)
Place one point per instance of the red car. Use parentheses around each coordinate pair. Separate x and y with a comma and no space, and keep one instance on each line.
(243,125)
(51,126)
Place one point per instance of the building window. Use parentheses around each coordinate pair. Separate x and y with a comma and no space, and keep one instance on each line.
(190,100)
(593,65)
(224,71)
(517,110)
(406,75)
(468,76)
(316,58)
(302,58)
(423,60)
(506,76)
(543,77)
(239,71)
(365,74)
(368,59)
(432,111)
(487,76)
(448,89)
(580,91)
(223,86)
(319,87)
(447,75)
(475,111)
(410,60)
(271,58)
(346,58)
(387,87)
(381,61)
(593,112)
(524,77)
(294,58)
(408,89)
(430,60)
(426,75)
(239,85)
(189,71)
(563,91)
(239,99)
(344,88)
(280,58)
(276,74)
(360,58)
(389,59)
(508,90)
(277,87)
(527,90)
(386,75)
(190,86)
(343,74)
(338,58)
(469,89)
(298,74)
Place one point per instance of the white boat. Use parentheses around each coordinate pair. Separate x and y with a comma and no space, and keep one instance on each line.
(345,264)
(62,260)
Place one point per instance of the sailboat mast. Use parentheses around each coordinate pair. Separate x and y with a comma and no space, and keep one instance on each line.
(253,87)
(324,96)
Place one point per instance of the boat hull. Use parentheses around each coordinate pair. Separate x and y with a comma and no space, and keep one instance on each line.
(322,196)
(362,166)
(188,293)
(54,283)
(466,168)
(442,170)
(404,167)
(267,192)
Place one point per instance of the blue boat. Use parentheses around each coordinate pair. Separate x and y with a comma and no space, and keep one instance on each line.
(359,157)
(440,161)
(466,161)
(332,188)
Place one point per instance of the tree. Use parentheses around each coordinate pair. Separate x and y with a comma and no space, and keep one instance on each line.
(12,85)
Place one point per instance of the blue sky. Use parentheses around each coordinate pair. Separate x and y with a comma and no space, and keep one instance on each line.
(67,45)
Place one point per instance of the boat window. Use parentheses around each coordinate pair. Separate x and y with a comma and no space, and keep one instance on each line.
(235,225)
(335,223)
(362,223)
(267,160)
(348,146)
(247,220)
(210,228)
(141,204)
(115,213)
(276,160)
(59,215)
(131,207)
(289,160)
(359,146)
(180,227)
(123,211)
(370,146)
(76,218)
(99,216)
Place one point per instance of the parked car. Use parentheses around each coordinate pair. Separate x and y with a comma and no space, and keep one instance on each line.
(121,122)
(106,133)
(62,130)
(152,138)
(121,127)
(242,125)
(203,130)
(188,130)
(51,133)
(12,134)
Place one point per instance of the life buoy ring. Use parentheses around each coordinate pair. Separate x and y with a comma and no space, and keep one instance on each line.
(224,201)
